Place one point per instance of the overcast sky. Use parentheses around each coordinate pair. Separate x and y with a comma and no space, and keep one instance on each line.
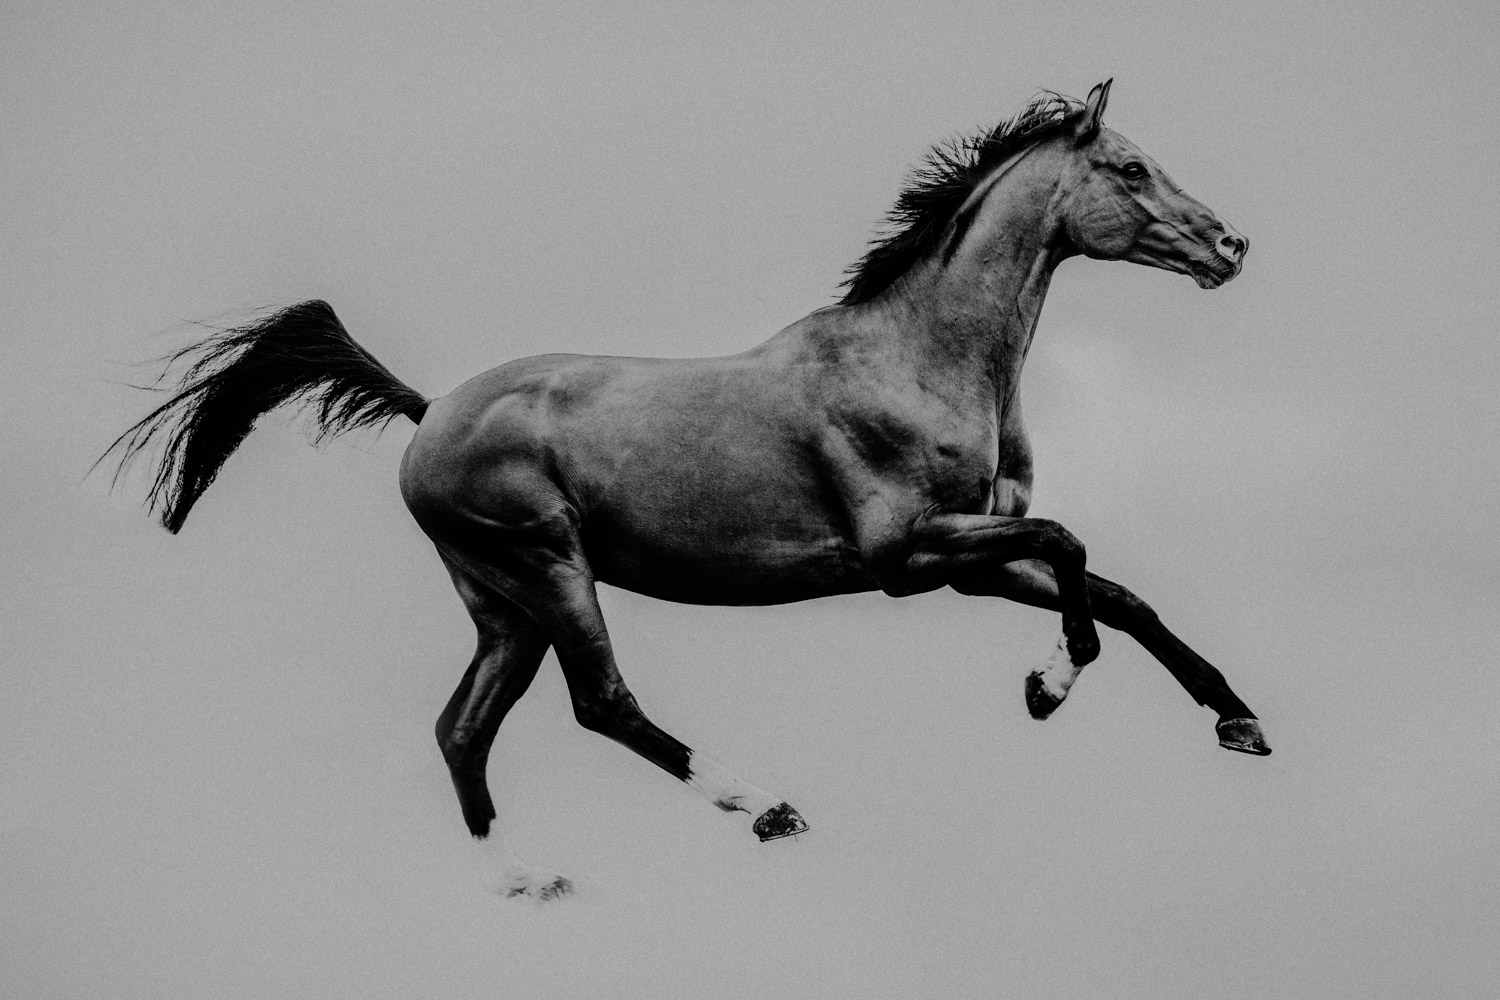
(217,771)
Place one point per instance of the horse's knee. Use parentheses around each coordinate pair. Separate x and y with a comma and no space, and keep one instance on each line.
(1064,547)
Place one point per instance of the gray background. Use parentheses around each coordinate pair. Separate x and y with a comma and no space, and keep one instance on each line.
(217,773)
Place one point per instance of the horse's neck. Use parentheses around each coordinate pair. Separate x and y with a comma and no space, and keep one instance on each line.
(971,317)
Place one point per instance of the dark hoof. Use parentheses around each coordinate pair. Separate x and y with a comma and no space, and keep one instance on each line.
(777,822)
(1243,735)
(1039,701)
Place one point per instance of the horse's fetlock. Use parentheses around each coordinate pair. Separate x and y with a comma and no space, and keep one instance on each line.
(1084,649)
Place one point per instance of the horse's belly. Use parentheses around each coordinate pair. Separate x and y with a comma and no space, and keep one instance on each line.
(701,560)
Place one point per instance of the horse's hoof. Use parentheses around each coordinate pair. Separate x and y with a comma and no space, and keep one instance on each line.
(1039,701)
(777,822)
(1243,735)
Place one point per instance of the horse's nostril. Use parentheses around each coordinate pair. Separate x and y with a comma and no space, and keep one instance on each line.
(1231,246)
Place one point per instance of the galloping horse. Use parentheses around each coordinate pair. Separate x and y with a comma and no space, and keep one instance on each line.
(876,444)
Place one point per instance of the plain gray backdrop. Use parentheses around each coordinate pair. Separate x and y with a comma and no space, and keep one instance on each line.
(217,770)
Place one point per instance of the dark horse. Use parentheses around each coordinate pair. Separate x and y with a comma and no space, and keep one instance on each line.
(876,444)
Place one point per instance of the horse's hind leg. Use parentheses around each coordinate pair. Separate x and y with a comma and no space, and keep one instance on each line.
(602,703)
(511,647)
(556,586)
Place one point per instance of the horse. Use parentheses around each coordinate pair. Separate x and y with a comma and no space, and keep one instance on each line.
(875,444)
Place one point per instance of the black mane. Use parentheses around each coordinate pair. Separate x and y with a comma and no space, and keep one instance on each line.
(941,184)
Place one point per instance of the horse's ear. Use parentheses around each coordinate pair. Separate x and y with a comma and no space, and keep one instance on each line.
(1093,113)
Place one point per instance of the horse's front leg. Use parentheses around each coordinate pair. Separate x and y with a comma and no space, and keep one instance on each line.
(1032,582)
(945,549)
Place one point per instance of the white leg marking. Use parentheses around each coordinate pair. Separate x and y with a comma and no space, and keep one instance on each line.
(502,872)
(1059,672)
(725,789)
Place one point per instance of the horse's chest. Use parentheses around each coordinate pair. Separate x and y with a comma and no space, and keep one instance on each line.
(945,463)
(1011,489)
(900,461)
(985,470)
(961,474)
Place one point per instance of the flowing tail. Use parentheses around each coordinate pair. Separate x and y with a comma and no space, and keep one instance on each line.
(301,353)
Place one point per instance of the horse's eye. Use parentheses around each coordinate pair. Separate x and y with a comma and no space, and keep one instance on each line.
(1134,170)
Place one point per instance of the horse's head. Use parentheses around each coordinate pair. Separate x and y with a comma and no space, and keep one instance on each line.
(1116,203)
